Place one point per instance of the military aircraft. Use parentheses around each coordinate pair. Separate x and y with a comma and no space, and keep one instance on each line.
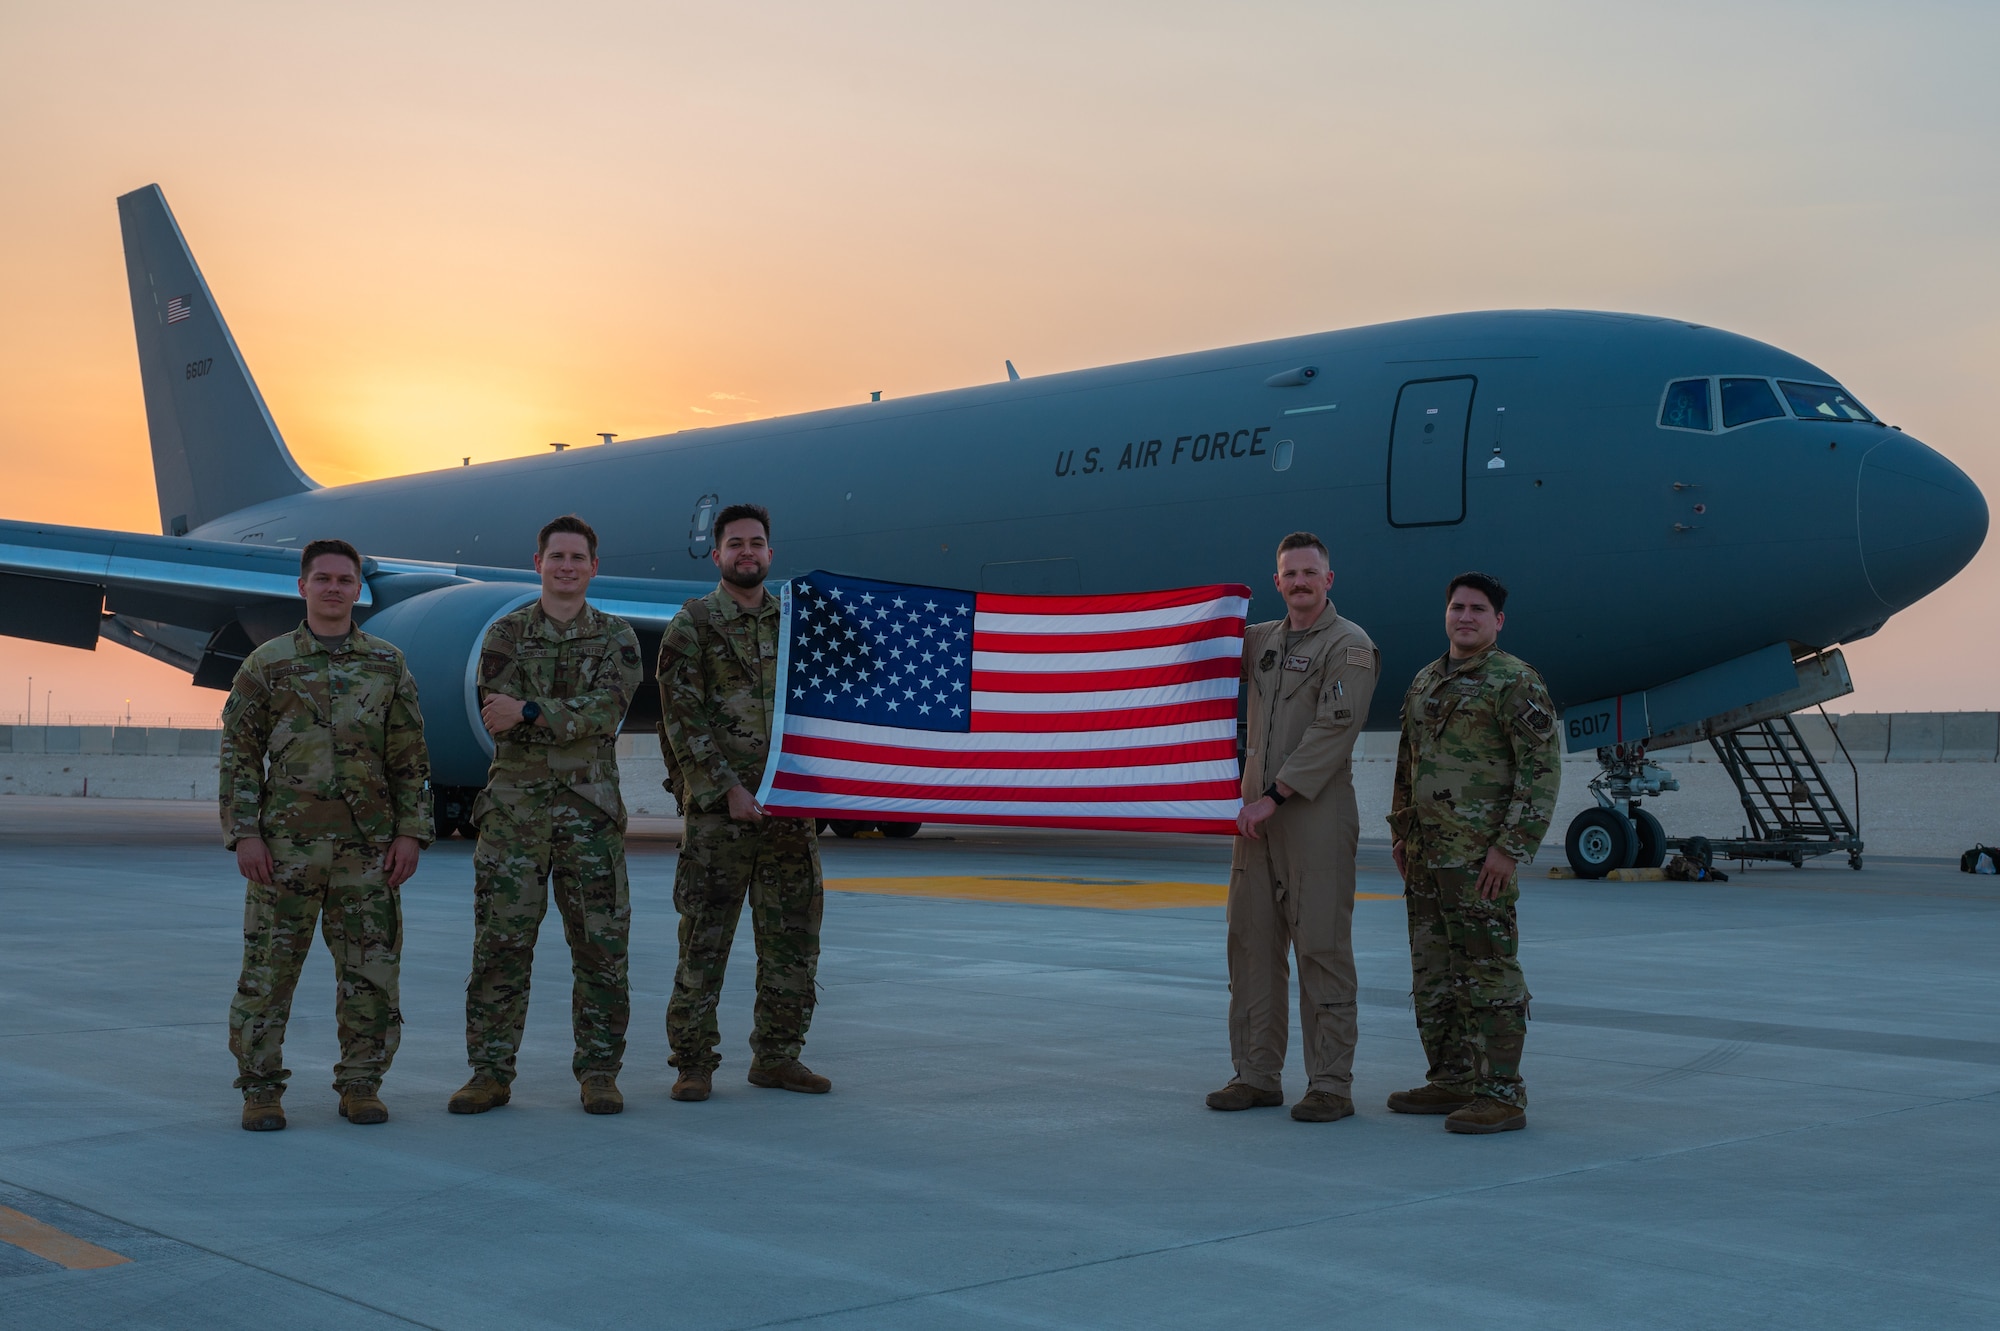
(1688,519)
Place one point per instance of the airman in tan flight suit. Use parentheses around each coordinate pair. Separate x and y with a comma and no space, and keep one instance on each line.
(1309,679)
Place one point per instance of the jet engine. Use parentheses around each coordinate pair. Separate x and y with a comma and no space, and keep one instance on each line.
(439,632)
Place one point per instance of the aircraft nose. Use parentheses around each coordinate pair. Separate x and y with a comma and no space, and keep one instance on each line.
(1920,519)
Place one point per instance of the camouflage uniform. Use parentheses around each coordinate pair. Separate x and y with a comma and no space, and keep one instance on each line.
(718,686)
(1293,889)
(1478,767)
(551,809)
(346,776)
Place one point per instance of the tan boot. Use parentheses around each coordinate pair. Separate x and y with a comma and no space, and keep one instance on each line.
(1486,1114)
(693,1085)
(482,1093)
(1237,1096)
(261,1110)
(1429,1100)
(359,1103)
(1322,1107)
(600,1094)
(790,1075)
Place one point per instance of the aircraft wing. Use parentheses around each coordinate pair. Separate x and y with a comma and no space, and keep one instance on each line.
(203,605)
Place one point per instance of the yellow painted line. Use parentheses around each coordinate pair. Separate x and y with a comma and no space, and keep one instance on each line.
(1100,893)
(46,1241)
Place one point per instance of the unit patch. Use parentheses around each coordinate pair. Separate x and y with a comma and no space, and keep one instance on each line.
(1532,719)
(1270,659)
(1298,663)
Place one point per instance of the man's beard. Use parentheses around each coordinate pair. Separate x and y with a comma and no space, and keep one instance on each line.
(746,581)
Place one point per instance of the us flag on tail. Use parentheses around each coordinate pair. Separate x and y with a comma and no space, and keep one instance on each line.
(921,704)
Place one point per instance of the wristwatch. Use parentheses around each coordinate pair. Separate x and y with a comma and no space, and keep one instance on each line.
(1271,794)
(531,711)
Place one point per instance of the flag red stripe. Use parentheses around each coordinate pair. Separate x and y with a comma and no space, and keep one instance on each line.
(1094,681)
(1210,826)
(810,746)
(1110,604)
(1174,714)
(898,790)
(1169,635)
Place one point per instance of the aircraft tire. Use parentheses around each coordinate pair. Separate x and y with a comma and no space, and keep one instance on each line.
(1651,852)
(1599,841)
(847,827)
(899,831)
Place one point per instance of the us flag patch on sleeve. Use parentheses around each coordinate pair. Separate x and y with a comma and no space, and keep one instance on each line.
(1361,656)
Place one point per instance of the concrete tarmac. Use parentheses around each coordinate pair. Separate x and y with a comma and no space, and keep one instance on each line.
(1768,1102)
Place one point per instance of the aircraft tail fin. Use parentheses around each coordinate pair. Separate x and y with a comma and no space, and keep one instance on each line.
(215,447)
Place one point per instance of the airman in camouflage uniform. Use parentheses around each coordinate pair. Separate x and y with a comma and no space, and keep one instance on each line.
(551,810)
(1477,773)
(718,675)
(323,772)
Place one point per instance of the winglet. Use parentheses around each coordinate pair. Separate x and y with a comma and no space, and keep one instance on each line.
(1013,375)
(215,447)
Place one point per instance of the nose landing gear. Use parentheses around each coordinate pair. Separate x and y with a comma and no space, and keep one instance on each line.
(1618,834)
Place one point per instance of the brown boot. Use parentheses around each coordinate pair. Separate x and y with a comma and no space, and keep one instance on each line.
(693,1085)
(359,1103)
(1486,1114)
(600,1094)
(790,1075)
(1237,1096)
(1429,1100)
(1322,1107)
(482,1093)
(261,1110)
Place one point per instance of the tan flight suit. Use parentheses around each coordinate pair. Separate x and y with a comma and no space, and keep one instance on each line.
(1294,889)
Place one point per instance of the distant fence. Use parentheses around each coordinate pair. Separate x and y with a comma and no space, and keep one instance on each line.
(1871,737)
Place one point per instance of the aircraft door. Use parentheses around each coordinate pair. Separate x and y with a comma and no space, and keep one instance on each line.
(1427,442)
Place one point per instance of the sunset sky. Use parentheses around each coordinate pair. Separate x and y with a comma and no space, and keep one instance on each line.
(451,230)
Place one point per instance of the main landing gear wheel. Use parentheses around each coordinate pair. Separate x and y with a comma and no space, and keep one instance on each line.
(899,831)
(1652,848)
(845,827)
(1599,841)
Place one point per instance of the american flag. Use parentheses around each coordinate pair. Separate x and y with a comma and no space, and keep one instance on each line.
(179,308)
(921,704)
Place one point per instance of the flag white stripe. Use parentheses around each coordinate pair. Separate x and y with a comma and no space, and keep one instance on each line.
(1134,658)
(1072,778)
(1105,700)
(1122,621)
(1192,732)
(1163,809)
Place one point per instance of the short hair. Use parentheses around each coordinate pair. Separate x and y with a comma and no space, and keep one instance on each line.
(574,525)
(1485,584)
(327,546)
(1305,540)
(738,512)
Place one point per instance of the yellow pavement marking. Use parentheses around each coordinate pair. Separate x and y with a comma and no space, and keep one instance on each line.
(46,1241)
(1100,893)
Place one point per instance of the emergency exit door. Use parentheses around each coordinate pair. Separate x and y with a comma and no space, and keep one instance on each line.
(1427,442)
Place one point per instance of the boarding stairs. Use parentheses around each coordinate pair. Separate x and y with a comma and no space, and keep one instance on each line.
(1791,809)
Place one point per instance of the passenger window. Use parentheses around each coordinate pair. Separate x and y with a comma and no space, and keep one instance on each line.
(1746,400)
(1822,402)
(1686,407)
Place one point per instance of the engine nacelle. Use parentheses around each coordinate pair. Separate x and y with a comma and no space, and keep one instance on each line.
(440,633)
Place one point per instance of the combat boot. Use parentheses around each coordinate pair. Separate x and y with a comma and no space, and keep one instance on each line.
(1237,1096)
(359,1103)
(790,1075)
(1429,1100)
(692,1085)
(482,1093)
(1486,1114)
(600,1094)
(1322,1107)
(261,1110)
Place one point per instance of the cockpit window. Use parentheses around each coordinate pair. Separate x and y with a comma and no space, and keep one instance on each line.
(1822,402)
(1746,400)
(1686,406)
